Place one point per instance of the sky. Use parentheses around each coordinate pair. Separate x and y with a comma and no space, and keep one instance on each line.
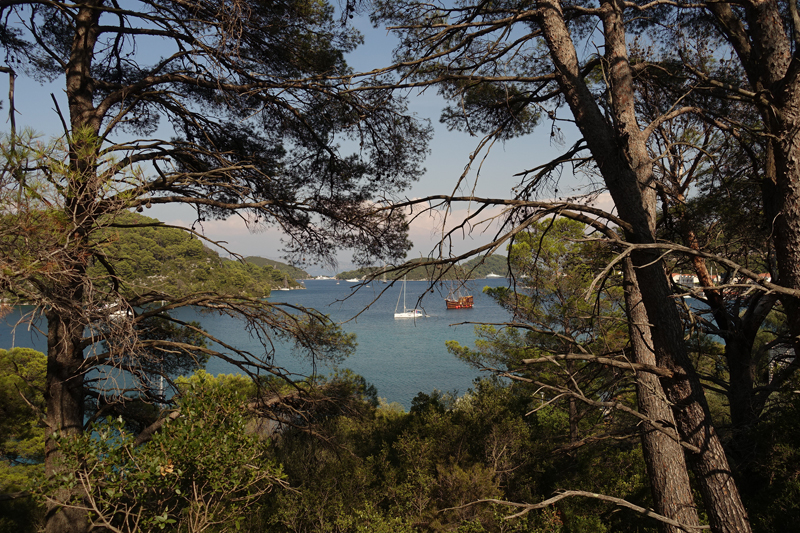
(450,152)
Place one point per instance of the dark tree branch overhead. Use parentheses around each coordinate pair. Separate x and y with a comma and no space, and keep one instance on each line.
(527,507)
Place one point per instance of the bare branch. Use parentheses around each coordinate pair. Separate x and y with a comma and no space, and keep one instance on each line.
(528,507)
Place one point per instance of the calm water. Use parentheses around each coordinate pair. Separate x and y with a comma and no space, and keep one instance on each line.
(401,357)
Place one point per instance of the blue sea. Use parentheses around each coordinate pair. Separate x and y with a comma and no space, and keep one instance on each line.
(400,357)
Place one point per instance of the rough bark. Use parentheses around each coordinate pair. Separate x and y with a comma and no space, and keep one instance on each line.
(664,457)
(79,80)
(620,153)
(758,34)
(64,397)
(64,383)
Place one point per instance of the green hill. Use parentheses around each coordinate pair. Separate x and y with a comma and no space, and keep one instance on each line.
(476,268)
(289,270)
(480,267)
(173,261)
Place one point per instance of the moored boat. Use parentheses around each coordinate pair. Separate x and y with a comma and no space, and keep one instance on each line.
(285,284)
(456,299)
(460,302)
(406,312)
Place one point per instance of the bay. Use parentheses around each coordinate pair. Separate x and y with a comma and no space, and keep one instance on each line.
(401,357)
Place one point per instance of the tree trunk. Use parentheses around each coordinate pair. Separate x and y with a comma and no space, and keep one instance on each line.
(786,202)
(766,54)
(64,392)
(738,331)
(664,457)
(685,392)
(761,35)
(619,151)
(64,400)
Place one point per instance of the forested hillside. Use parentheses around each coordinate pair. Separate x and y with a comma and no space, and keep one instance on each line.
(476,268)
(291,271)
(480,267)
(148,257)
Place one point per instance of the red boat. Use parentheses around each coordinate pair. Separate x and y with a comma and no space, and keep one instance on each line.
(464,302)
(456,300)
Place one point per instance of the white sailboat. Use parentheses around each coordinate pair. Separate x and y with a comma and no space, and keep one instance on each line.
(285,284)
(407,313)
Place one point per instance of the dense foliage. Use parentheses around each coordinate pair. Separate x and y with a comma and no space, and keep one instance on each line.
(475,268)
(153,258)
(366,466)
(671,103)
(425,470)
(22,373)
(205,469)
(292,272)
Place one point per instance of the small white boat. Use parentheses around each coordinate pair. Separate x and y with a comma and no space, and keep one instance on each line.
(414,313)
(406,313)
